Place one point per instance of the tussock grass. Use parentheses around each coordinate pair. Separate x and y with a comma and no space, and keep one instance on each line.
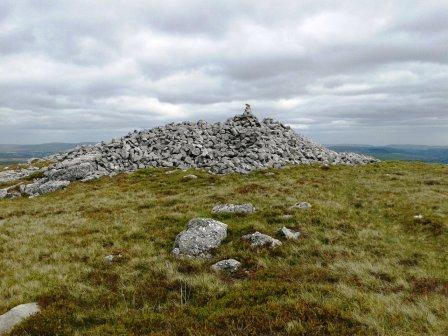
(364,264)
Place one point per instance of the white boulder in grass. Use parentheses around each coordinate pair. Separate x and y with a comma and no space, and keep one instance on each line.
(16,315)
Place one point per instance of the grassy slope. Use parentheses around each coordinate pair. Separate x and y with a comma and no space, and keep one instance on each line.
(364,266)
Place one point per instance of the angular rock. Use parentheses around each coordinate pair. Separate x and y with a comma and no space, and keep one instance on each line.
(245,208)
(79,168)
(258,239)
(3,193)
(201,237)
(229,265)
(42,187)
(301,205)
(289,234)
(12,175)
(16,315)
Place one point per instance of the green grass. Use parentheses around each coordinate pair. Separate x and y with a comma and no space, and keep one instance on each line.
(364,265)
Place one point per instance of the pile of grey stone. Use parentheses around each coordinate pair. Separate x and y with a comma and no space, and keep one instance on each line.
(240,144)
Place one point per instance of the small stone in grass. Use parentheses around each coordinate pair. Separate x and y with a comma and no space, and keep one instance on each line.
(258,239)
(245,208)
(290,234)
(230,265)
(301,205)
(190,177)
(112,257)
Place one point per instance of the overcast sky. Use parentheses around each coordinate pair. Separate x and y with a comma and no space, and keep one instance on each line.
(371,72)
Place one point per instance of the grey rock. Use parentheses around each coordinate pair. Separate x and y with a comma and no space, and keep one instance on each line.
(290,234)
(16,315)
(245,208)
(229,265)
(258,239)
(3,193)
(42,187)
(301,205)
(109,258)
(75,169)
(200,238)
(112,257)
(12,175)
(287,216)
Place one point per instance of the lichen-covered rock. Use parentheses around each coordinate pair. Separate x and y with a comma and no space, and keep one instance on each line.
(289,234)
(200,238)
(258,239)
(42,186)
(12,175)
(16,315)
(245,208)
(228,265)
(79,168)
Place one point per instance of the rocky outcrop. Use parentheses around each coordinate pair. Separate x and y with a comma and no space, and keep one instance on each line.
(13,175)
(16,315)
(201,237)
(258,239)
(246,208)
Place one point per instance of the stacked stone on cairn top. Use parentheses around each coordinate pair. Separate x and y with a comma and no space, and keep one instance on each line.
(247,110)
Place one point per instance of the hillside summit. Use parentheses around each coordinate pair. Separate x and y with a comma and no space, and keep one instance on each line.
(241,144)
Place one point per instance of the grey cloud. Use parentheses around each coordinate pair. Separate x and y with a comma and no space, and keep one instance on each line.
(86,70)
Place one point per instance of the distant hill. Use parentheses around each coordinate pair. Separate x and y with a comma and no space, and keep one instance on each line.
(399,152)
(19,153)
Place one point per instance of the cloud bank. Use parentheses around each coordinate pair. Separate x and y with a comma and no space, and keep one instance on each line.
(340,72)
